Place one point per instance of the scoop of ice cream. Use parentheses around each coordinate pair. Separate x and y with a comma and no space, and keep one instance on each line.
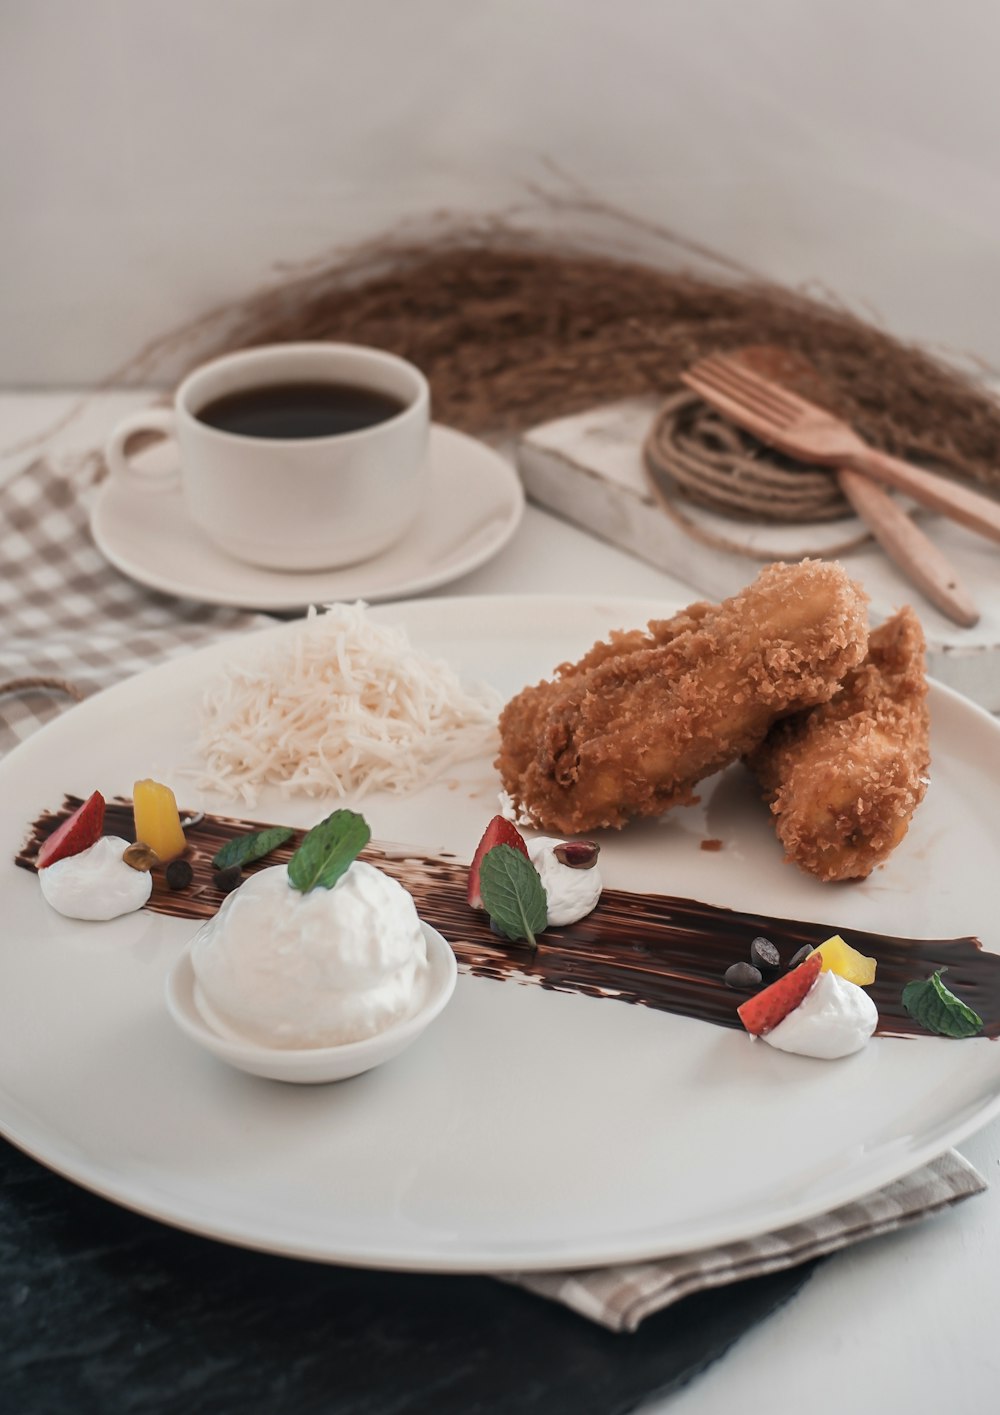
(835,1018)
(96,883)
(286,969)
(570,894)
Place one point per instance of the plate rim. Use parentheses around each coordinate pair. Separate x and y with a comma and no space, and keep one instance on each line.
(637,1248)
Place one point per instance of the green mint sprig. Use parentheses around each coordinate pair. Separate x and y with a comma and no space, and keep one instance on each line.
(244,849)
(513,893)
(328,851)
(937,1008)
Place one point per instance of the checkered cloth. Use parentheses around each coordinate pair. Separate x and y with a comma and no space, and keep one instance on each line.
(73,624)
(621,1297)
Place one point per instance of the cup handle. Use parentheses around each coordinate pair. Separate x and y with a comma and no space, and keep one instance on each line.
(162,420)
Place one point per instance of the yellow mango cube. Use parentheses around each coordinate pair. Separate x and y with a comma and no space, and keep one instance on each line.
(157,820)
(840,957)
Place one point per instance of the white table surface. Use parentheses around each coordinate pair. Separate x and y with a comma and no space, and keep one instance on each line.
(905,1322)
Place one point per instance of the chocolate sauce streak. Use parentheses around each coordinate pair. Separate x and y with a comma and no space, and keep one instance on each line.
(651,949)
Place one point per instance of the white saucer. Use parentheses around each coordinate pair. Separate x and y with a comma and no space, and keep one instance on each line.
(473,507)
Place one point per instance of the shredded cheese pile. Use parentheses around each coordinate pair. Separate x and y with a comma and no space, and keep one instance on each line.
(346,707)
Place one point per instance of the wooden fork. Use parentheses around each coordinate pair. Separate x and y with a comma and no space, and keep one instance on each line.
(809,433)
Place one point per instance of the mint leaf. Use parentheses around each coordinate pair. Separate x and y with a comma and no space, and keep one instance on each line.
(327,851)
(513,893)
(937,1008)
(253,846)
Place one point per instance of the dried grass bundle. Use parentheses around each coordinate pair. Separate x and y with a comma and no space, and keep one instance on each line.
(513,327)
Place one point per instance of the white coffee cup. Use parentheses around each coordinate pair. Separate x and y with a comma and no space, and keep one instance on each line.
(304,503)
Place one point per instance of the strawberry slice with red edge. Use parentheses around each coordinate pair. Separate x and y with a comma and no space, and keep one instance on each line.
(498,832)
(762,1012)
(77,833)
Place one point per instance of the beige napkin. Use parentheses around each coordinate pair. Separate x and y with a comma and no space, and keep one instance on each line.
(621,1297)
(73,624)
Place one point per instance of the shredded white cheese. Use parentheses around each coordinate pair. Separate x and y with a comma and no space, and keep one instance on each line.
(345,707)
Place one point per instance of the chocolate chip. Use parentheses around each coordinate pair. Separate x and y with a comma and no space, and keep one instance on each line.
(178,874)
(764,955)
(802,955)
(227,880)
(743,976)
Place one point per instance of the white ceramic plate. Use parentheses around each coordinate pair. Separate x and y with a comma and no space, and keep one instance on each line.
(473,507)
(526,1128)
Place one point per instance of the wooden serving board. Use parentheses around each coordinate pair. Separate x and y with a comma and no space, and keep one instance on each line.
(588,468)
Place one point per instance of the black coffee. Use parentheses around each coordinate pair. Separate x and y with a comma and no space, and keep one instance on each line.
(299,410)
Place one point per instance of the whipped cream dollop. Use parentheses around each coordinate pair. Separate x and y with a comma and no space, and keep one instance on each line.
(286,969)
(834,1019)
(570,894)
(96,883)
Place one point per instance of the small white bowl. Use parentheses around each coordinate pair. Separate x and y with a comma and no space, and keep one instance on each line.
(313,1065)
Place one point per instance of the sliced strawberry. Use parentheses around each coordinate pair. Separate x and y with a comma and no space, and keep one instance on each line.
(763,1011)
(82,828)
(498,832)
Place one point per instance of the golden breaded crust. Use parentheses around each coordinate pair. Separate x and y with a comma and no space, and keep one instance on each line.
(844,779)
(632,727)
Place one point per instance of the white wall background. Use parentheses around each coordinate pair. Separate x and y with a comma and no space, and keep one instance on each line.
(158,156)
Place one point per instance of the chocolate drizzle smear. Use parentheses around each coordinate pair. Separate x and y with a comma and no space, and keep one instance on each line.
(652,949)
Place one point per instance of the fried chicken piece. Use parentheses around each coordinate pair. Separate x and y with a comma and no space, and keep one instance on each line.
(844,779)
(520,720)
(639,720)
